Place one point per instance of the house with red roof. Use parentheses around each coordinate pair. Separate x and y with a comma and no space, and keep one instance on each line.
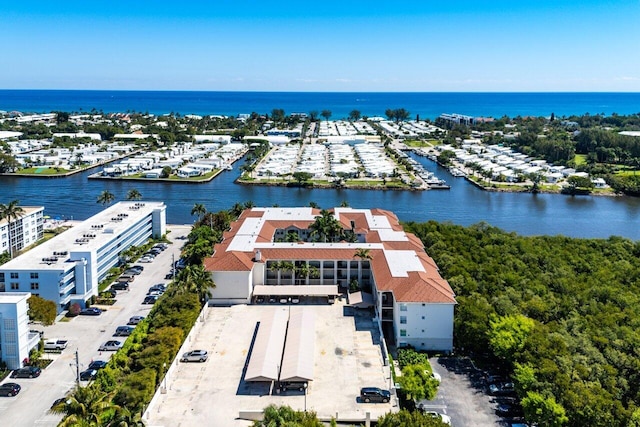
(282,255)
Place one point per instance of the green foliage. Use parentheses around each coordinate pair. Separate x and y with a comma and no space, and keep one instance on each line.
(583,296)
(508,334)
(543,410)
(408,356)
(418,382)
(445,157)
(137,389)
(41,310)
(284,416)
(405,418)
(301,177)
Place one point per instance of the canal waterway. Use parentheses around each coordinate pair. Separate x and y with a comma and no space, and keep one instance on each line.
(75,197)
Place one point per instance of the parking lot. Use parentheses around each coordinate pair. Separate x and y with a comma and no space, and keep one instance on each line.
(462,394)
(347,357)
(85,334)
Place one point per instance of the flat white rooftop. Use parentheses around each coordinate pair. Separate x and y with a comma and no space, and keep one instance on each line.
(13,297)
(86,236)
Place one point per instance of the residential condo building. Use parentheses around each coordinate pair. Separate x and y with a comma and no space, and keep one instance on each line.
(15,339)
(69,267)
(25,230)
(270,253)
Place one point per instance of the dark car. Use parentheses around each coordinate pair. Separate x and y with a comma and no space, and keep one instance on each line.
(123,331)
(293,385)
(509,409)
(97,364)
(109,293)
(135,320)
(151,299)
(120,286)
(132,271)
(501,389)
(374,394)
(88,375)
(91,311)
(27,372)
(9,389)
(58,401)
(158,287)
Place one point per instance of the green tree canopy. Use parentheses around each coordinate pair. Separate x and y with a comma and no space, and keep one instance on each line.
(41,310)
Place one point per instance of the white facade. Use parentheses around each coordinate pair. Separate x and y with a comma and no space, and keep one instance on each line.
(69,267)
(424,326)
(25,231)
(15,339)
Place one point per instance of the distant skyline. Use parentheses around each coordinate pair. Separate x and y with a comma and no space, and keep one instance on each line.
(356,46)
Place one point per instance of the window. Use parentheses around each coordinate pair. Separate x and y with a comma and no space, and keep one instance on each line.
(14,275)
(1,277)
(35,286)
(403,319)
(15,286)
(403,332)
(403,307)
(423,317)
(34,275)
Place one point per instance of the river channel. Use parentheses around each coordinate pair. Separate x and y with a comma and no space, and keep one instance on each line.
(528,214)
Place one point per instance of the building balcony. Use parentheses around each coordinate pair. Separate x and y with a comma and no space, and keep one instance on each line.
(67,289)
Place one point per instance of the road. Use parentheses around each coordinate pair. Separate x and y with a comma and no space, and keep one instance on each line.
(85,334)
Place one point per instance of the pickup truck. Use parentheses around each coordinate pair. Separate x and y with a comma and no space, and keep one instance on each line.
(55,344)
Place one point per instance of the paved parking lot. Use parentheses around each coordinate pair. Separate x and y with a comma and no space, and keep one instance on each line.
(85,334)
(347,357)
(462,394)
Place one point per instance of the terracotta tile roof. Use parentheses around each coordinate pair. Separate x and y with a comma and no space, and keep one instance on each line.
(420,286)
(229,261)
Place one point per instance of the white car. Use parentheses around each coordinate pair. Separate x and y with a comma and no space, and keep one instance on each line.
(111,345)
(444,418)
(145,259)
(195,356)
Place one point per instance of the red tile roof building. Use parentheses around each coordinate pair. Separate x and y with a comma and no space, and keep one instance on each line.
(275,251)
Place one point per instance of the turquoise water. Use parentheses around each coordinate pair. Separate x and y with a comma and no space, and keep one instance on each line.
(424,104)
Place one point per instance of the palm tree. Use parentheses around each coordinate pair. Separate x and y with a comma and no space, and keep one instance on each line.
(79,157)
(11,213)
(105,197)
(85,406)
(363,253)
(199,209)
(134,194)
(195,278)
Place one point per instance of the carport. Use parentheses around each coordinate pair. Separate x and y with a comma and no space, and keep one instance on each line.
(299,352)
(268,347)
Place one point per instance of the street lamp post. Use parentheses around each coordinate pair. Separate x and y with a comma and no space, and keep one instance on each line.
(164,380)
(305,397)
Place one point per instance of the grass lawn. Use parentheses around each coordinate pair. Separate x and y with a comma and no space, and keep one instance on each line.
(627,172)
(42,171)
(580,159)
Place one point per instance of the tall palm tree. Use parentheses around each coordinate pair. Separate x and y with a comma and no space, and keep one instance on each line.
(11,213)
(134,194)
(85,407)
(199,209)
(106,197)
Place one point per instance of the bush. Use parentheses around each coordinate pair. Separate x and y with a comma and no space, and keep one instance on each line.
(74,310)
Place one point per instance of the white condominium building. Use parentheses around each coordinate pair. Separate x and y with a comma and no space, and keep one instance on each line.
(273,254)
(69,267)
(25,230)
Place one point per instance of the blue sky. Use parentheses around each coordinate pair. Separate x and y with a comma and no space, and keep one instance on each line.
(323,46)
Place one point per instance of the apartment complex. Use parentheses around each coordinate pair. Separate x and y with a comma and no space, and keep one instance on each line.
(25,230)
(15,339)
(69,267)
(273,254)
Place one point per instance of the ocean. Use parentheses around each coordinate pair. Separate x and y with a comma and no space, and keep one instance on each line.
(423,104)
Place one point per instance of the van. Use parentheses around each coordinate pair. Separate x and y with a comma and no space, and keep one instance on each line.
(126,278)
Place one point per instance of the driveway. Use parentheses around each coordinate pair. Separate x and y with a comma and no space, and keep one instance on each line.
(84,334)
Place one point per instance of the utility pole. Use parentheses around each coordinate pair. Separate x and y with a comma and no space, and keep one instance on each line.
(173,266)
(77,369)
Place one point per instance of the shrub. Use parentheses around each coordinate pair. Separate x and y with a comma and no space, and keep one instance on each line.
(74,310)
